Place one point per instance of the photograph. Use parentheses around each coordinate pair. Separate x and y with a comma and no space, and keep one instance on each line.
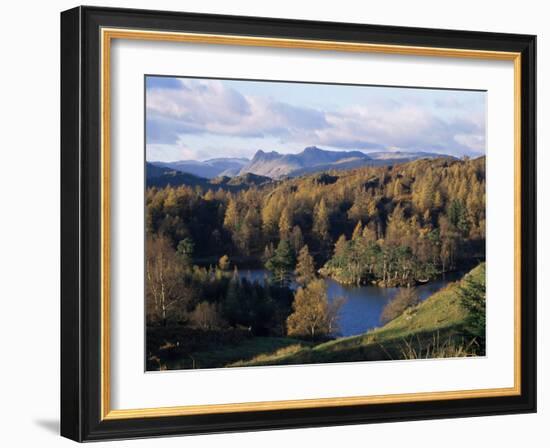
(279,223)
(291,223)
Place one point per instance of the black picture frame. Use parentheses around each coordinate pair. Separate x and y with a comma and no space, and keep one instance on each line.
(81,224)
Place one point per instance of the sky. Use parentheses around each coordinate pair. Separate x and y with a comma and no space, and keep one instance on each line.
(200,119)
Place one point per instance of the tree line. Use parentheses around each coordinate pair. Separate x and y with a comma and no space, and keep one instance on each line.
(395,225)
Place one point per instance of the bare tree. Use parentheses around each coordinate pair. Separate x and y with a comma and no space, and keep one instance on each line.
(166,293)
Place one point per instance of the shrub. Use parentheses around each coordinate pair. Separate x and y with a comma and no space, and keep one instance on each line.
(472,297)
(404,299)
(206,317)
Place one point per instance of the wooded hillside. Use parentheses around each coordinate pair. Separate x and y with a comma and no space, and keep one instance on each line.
(393,225)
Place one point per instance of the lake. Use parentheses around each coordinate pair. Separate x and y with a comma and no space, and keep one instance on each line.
(364,304)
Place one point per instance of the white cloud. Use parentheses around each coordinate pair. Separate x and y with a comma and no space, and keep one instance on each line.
(210,109)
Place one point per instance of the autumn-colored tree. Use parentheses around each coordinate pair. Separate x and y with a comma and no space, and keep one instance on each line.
(171,203)
(312,316)
(340,246)
(285,224)
(249,233)
(321,224)
(427,193)
(224,263)
(270,216)
(397,189)
(305,267)
(360,208)
(358,231)
(397,226)
(418,219)
(369,234)
(231,219)
(438,200)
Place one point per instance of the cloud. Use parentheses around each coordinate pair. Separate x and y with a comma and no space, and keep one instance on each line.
(405,127)
(211,108)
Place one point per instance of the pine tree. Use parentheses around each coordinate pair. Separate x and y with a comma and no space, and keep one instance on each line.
(472,295)
(232,306)
(281,264)
(184,251)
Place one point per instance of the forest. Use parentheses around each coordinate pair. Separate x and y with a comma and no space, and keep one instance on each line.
(390,226)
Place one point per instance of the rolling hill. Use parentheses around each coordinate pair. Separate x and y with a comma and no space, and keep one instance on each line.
(207,169)
(161,177)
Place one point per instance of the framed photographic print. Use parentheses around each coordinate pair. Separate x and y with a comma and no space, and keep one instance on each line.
(275,224)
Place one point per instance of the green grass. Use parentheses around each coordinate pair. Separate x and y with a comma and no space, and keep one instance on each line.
(434,328)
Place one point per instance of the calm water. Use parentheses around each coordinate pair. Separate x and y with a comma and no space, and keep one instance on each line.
(364,304)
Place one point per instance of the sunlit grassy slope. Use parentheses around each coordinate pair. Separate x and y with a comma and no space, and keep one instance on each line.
(433,328)
(227,354)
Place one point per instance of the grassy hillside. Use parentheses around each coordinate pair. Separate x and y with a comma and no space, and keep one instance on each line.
(434,328)
(227,354)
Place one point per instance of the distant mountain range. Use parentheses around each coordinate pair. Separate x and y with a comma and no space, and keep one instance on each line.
(209,168)
(313,159)
(271,165)
(158,176)
(275,165)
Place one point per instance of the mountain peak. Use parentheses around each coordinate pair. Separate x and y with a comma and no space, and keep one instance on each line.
(276,165)
(313,149)
(263,155)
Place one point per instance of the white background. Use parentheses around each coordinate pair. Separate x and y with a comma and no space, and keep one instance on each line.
(29,233)
(132,388)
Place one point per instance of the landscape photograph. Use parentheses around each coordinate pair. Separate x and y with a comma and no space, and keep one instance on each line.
(291,223)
